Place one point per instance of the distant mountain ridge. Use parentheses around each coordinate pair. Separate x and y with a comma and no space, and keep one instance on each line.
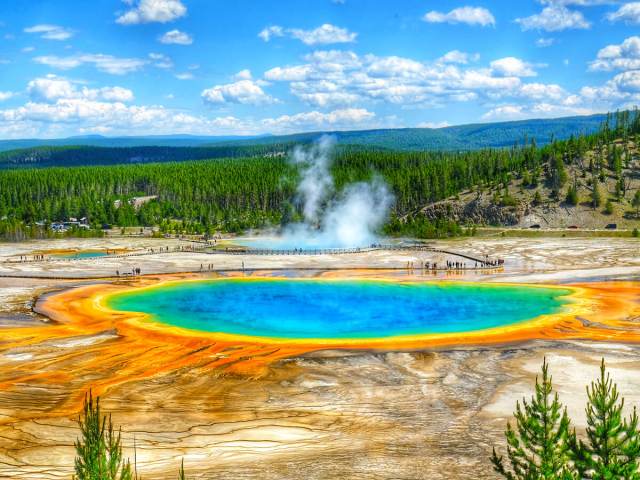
(460,137)
(180,140)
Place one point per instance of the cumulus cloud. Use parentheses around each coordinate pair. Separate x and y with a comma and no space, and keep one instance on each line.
(160,60)
(323,35)
(544,42)
(148,11)
(343,78)
(6,95)
(246,92)
(554,18)
(184,76)
(539,110)
(442,124)
(52,88)
(627,82)
(58,106)
(243,75)
(271,32)
(512,67)
(542,91)
(456,56)
(338,119)
(176,37)
(628,13)
(102,62)
(624,56)
(50,32)
(468,15)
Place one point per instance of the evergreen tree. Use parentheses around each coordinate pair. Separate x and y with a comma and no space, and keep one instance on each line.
(99,451)
(538,448)
(608,207)
(181,474)
(612,450)
(537,198)
(572,195)
(596,196)
(636,202)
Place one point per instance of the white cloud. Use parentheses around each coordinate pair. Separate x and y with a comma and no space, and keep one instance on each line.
(456,56)
(66,116)
(148,11)
(243,75)
(50,32)
(554,18)
(115,94)
(59,107)
(342,77)
(246,92)
(625,56)
(176,37)
(323,35)
(104,63)
(544,42)
(468,15)
(433,124)
(629,13)
(270,32)
(628,82)
(347,118)
(539,110)
(512,67)
(160,60)
(184,76)
(53,88)
(5,95)
(542,91)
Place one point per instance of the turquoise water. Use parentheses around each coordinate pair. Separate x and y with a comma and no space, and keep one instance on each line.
(337,309)
(96,254)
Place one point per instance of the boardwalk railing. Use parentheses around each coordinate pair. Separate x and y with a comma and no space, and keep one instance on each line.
(215,250)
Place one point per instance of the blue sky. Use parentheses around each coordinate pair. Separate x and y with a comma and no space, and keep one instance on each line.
(219,67)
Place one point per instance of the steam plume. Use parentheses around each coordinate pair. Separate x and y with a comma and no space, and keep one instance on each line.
(349,219)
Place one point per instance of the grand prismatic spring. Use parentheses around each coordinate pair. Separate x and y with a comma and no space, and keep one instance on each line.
(337,309)
(272,361)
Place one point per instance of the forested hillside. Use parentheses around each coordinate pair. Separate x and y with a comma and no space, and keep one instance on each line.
(87,155)
(236,194)
(110,151)
(462,137)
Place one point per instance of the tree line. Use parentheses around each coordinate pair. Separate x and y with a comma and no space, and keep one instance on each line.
(235,194)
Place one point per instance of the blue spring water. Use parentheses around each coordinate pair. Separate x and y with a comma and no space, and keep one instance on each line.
(338,309)
(81,254)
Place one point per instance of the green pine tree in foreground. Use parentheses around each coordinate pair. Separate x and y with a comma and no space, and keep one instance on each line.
(612,449)
(99,451)
(539,446)
(181,475)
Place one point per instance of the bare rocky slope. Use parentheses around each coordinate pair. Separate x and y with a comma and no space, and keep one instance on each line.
(528,200)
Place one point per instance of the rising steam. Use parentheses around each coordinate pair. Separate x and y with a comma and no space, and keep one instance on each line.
(348,219)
